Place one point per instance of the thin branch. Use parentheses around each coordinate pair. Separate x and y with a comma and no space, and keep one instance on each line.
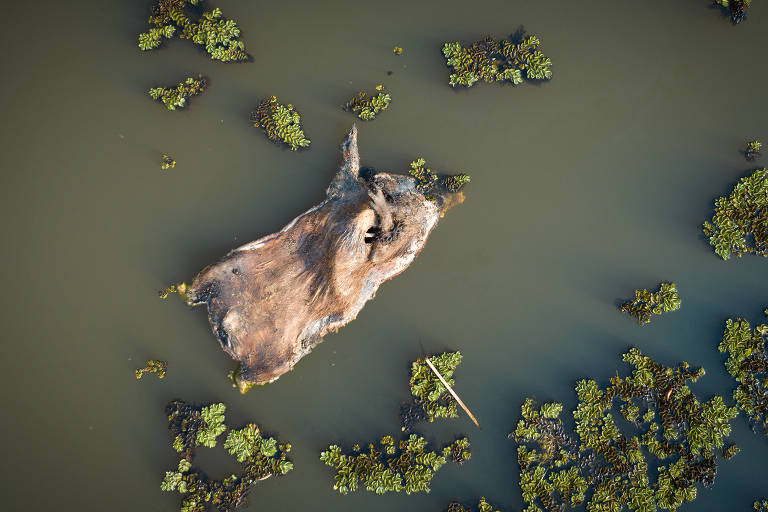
(451,391)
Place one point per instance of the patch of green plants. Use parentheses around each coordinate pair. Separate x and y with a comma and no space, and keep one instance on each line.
(218,35)
(260,457)
(176,97)
(740,223)
(397,50)
(281,123)
(368,107)
(482,506)
(748,363)
(752,151)
(428,392)
(646,304)
(157,367)
(736,9)
(760,506)
(497,60)
(406,466)
(609,470)
(179,289)
(166,162)
(455,182)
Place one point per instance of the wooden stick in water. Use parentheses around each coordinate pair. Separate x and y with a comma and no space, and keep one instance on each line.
(451,391)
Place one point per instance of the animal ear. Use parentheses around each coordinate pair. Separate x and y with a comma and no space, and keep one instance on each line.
(348,175)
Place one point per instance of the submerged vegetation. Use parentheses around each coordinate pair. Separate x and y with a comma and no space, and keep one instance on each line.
(491,60)
(367,107)
(281,123)
(166,162)
(260,457)
(753,149)
(737,9)
(646,304)
(740,222)
(395,467)
(482,506)
(605,468)
(176,97)
(430,396)
(157,367)
(218,35)
(748,363)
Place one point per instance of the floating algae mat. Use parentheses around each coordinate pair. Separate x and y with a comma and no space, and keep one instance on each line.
(610,470)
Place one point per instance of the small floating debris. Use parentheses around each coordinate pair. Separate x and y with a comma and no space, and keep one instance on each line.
(646,304)
(397,50)
(176,97)
(166,162)
(281,123)
(153,366)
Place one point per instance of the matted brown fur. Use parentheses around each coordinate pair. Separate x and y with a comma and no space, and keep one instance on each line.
(272,300)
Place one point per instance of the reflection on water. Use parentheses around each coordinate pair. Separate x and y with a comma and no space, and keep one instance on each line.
(583,188)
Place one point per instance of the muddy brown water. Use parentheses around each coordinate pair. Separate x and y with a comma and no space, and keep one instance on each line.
(583,188)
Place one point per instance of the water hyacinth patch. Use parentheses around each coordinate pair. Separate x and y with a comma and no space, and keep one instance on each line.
(403,467)
(281,123)
(609,470)
(191,427)
(218,35)
(748,364)
(740,223)
(646,304)
(492,60)
(176,97)
(368,107)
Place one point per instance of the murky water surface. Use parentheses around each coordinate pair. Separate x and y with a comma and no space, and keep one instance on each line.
(583,189)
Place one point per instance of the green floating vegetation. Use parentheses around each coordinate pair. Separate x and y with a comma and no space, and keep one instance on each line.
(218,35)
(646,304)
(176,97)
(430,398)
(740,222)
(753,150)
(482,506)
(403,467)
(760,506)
(260,457)
(748,363)
(281,123)
(455,182)
(737,9)
(494,60)
(426,179)
(730,451)
(397,50)
(605,468)
(157,367)
(367,108)
(166,162)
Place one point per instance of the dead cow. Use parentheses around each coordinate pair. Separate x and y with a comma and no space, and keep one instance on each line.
(271,301)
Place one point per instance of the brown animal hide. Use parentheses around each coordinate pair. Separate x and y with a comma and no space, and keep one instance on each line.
(271,300)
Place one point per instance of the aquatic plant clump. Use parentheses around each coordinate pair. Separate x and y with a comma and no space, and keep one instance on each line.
(455,182)
(157,367)
(367,108)
(494,60)
(218,35)
(737,9)
(403,467)
(179,289)
(281,123)
(760,506)
(740,222)
(482,506)
(609,470)
(166,162)
(260,457)
(176,97)
(397,50)
(752,151)
(427,390)
(646,304)
(748,363)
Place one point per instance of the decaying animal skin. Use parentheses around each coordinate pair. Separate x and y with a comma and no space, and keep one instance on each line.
(271,300)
